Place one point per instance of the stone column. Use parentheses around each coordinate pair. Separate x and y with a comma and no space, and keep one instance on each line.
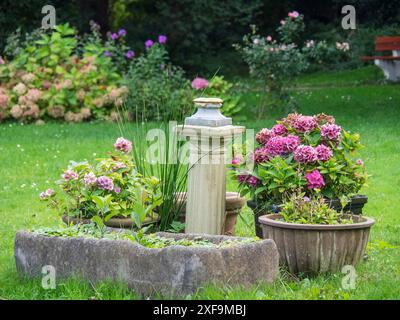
(208,132)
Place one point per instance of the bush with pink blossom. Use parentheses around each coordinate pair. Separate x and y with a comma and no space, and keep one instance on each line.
(309,154)
(111,187)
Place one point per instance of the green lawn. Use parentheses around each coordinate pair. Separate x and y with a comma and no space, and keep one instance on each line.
(32,157)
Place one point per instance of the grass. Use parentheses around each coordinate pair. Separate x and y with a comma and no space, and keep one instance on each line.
(32,157)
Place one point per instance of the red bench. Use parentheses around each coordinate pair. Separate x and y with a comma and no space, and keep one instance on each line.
(390,64)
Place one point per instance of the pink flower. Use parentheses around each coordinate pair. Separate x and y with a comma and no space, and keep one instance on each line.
(236,161)
(199,83)
(359,162)
(315,180)
(279,129)
(33,95)
(331,131)
(47,194)
(282,145)
(105,183)
(293,14)
(283,22)
(248,179)
(264,135)
(117,190)
(305,154)
(269,38)
(19,89)
(89,179)
(252,181)
(123,145)
(3,100)
(118,165)
(260,155)
(304,124)
(324,153)
(70,175)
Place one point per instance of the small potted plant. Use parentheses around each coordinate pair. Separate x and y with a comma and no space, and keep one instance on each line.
(111,192)
(308,153)
(313,238)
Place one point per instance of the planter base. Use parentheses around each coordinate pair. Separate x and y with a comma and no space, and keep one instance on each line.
(175,270)
(124,223)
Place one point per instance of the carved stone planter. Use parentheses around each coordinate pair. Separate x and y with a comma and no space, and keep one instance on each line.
(233,205)
(316,248)
(175,270)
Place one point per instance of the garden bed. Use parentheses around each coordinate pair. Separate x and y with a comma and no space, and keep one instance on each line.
(172,269)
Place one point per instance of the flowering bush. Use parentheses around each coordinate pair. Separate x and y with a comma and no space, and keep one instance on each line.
(50,78)
(310,154)
(219,87)
(110,188)
(158,89)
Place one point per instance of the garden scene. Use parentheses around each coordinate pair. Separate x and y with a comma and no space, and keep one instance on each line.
(200,159)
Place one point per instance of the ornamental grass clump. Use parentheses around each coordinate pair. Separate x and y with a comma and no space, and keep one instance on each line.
(309,154)
(110,188)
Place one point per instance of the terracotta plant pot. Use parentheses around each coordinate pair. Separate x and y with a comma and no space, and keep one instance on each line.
(233,205)
(125,223)
(314,248)
(355,206)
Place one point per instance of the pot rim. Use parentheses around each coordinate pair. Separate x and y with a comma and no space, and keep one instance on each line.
(271,220)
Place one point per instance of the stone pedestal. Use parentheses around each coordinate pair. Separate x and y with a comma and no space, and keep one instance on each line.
(205,207)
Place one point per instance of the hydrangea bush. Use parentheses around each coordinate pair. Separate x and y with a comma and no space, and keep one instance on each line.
(61,78)
(309,154)
(109,188)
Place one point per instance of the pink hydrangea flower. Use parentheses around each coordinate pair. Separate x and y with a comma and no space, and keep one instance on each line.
(3,100)
(264,135)
(33,95)
(123,145)
(105,183)
(315,180)
(282,145)
(305,124)
(293,14)
(118,165)
(89,179)
(252,181)
(70,175)
(248,179)
(305,154)
(331,131)
(260,155)
(324,153)
(199,83)
(279,129)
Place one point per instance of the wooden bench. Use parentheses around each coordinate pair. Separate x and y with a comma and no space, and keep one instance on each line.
(390,64)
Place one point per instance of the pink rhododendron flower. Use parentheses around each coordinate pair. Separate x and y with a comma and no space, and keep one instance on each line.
(264,135)
(331,131)
(123,145)
(304,123)
(199,83)
(105,183)
(279,129)
(260,155)
(324,153)
(89,179)
(315,180)
(305,154)
(70,175)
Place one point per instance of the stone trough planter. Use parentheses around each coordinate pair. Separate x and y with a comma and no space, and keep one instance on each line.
(175,270)
(315,248)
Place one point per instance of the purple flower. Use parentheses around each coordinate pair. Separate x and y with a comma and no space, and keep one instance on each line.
(107,54)
(264,135)
(290,143)
(305,154)
(199,83)
(324,153)
(70,175)
(331,131)
(162,39)
(123,145)
(129,54)
(117,190)
(305,124)
(122,32)
(89,179)
(278,145)
(250,180)
(279,129)
(148,44)
(260,155)
(306,199)
(315,180)
(105,183)
(114,36)
(236,161)
(47,194)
